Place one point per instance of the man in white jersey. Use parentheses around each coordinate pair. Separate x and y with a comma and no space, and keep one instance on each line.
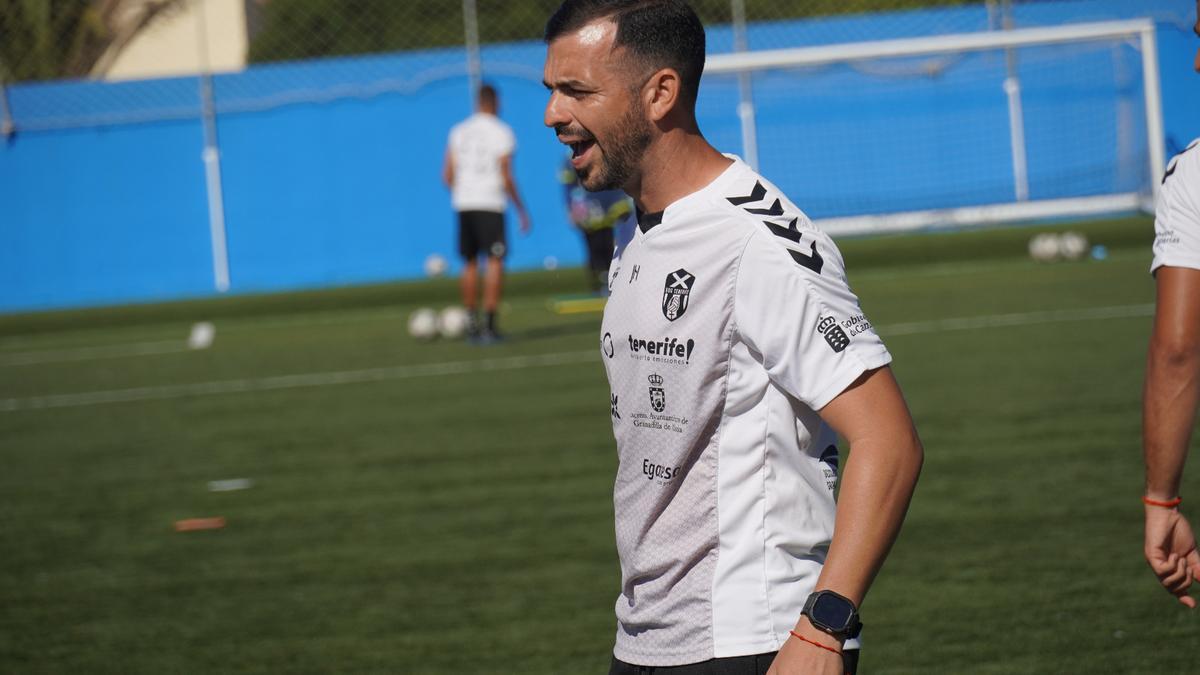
(1172,388)
(734,349)
(478,170)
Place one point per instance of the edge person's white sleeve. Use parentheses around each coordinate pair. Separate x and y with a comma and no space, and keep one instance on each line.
(807,329)
(1177,216)
(506,142)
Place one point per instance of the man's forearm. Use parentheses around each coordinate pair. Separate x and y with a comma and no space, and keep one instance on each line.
(511,188)
(876,488)
(1172,391)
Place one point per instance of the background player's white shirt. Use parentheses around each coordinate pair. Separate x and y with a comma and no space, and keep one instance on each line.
(477,145)
(721,339)
(1177,217)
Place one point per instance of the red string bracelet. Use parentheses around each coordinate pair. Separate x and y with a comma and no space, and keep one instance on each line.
(815,644)
(1169,504)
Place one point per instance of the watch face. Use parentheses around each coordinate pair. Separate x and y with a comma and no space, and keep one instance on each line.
(832,611)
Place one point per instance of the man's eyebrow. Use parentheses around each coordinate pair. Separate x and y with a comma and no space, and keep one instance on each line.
(573,84)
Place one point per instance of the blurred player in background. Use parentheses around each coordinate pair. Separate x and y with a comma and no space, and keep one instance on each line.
(597,216)
(1172,388)
(478,170)
(734,349)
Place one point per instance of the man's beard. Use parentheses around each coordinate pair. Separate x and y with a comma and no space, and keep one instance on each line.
(621,154)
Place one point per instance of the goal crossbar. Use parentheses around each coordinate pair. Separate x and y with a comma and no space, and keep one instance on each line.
(1142,31)
(924,46)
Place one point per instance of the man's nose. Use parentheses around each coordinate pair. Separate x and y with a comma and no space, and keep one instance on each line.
(554,114)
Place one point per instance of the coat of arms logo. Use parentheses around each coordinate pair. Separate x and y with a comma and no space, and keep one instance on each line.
(658,396)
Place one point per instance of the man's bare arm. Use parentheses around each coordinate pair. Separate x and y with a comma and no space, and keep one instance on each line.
(448,169)
(1172,387)
(1170,396)
(510,187)
(878,482)
(876,487)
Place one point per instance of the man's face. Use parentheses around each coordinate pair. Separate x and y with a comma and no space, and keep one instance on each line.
(595,108)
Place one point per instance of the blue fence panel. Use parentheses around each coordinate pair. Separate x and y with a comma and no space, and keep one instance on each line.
(332,177)
(102,216)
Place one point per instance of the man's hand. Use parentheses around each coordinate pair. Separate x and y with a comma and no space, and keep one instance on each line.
(1171,551)
(798,657)
(523,218)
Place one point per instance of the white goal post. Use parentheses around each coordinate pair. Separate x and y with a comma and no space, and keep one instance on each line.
(1139,33)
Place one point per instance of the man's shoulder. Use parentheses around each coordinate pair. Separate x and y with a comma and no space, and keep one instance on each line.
(1182,177)
(774,224)
(1187,160)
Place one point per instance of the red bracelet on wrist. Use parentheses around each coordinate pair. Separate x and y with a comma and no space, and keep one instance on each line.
(813,643)
(1169,504)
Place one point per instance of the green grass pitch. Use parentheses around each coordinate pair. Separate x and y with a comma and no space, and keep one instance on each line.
(438,508)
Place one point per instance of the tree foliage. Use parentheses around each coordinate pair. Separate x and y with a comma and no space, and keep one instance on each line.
(43,39)
(48,39)
(297,29)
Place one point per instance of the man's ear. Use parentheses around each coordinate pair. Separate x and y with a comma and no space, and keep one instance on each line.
(661,93)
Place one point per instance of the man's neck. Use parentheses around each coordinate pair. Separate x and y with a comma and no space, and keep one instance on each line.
(678,164)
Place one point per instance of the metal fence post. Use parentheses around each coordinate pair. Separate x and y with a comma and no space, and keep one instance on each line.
(212,162)
(471,35)
(745,90)
(1016,113)
(6,121)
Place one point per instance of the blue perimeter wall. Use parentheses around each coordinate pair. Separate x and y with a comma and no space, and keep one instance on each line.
(347,191)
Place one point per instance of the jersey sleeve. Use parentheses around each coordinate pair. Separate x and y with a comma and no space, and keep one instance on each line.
(506,141)
(1177,216)
(805,327)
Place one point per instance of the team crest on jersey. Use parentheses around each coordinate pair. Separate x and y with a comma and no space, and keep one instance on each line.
(675,293)
(834,335)
(658,396)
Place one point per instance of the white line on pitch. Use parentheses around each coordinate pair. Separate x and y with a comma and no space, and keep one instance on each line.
(98,352)
(1018,319)
(168,391)
(510,363)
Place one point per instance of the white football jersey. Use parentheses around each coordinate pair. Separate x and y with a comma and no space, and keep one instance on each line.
(477,144)
(1177,216)
(730,323)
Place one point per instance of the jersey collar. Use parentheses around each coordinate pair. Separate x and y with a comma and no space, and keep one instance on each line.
(647,221)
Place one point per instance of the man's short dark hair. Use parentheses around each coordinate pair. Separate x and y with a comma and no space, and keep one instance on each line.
(659,33)
(487,95)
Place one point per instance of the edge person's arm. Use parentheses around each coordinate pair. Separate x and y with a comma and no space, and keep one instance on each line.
(510,187)
(1170,396)
(448,169)
(876,487)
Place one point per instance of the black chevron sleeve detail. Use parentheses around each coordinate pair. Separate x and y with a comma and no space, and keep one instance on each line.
(755,195)
(775,210)
(814,262)
(790,232)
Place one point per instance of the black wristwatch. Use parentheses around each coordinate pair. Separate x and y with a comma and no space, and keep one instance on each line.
(833,614)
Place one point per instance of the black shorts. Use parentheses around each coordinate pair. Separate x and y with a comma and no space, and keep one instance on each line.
(481,233)
(756,664)
(600,248)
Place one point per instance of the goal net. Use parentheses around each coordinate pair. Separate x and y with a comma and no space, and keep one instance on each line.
(953,130)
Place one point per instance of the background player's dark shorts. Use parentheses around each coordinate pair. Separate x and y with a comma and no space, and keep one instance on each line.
(481,232)
(736,665)
(600,248)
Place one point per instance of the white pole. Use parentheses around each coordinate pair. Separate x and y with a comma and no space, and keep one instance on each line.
(212,162)
(745,106)
(939,44)
(1016,115)
(1154,123)
(471,33)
